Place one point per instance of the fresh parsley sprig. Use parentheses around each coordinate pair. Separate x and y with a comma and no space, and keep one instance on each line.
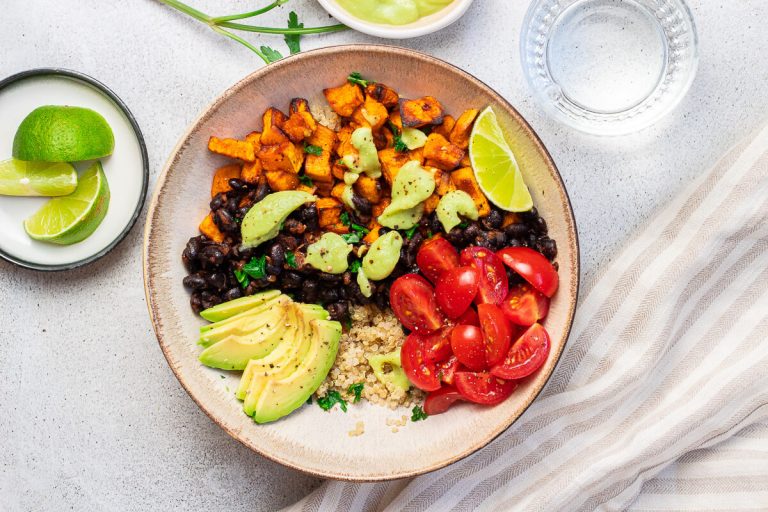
(313,150)
(357,78)
(357,228)
(400,146)
(418,414)
(332,398)
(357,390)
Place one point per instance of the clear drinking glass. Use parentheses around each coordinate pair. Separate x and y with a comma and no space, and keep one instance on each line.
(609,67)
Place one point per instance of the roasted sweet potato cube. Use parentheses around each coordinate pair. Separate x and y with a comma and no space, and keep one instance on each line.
(443,183)
(211,230)
(338,228)
(510,218)
(463,128)
(431,203)
(255,139)
(299,126)
(373,234)
(445,128)
(442,153)
(318,167)
(395,119)
(371,113)
(344,146)
(298,105)
(338,190)
(324,138)
(464,179)
(279,180)
(368,188)
(272,132)
(421,112)
(233,148)
(286,157)
(344,99)
(383,94)
(379,207)
(221,178)
(391,162)
(338,171)
(251,172)
(329,211)
(306,188)
(389,138)
(323,189)
(466,162)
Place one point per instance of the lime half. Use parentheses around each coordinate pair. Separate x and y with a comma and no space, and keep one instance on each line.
(20,178)
(70,219)
(56,133)
(495,166)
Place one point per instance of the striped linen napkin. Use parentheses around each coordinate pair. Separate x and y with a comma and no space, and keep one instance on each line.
(660,400)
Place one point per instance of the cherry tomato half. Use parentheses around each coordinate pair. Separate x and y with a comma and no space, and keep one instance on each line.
(413,302)
(441,400)
(526,355)
(493,284)
(533,267)
(469,318)
(524,305)
(496,332)
(483,388)
(438,345)
(456,290)
(422,373)
(469,346)
(435,256)
(447,369)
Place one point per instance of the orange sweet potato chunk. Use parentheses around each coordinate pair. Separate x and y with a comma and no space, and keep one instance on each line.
(211,230)
(421,112)
(220,183)
(233,148)
(344,99)
(441,153)
(383,94)
(463,128)
(464,179)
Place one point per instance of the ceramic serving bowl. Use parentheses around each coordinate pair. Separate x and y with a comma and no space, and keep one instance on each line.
(310,439)
(425,25)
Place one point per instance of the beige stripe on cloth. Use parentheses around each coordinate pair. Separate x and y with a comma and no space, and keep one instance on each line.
(660,401)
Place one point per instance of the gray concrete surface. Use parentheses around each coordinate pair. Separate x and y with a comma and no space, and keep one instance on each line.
(91,418)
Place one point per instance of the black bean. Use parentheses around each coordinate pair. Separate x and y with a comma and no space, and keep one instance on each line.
(346,278)
(309,291)
(237,184)
(231,205)
(276,255)
(291,280)
(194,282)
(383,230)
(329,295)
(193,247)
(540,226)
(288,242)
(196,302)
(310,217)
(456,236)
(218,201)
(482,240)
(338,310)
(272,270)
(209,300)
(233,293)
(530,215)
(262,191)
(211,256)
(497,238)
(189,262)
(327,278)
(435,225)
(493,220)
(547,247)
(243,211)
(414,243)
(225,221)
(295,227)
(217,280)
(516,230)
(362,205)
(513,242)
(473,230)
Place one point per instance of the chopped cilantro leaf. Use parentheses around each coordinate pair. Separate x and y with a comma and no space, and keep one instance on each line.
(327,402)
(306,180)
(309,400)
(313,150)
(418,414)
(355,266)
(242,278)
(345,218)
(351,238)
(257,267)
(464,225)
(271,54)
(357,78)
(410,232)
(292,40)
(400,146)
(356,389)
(290,259)
(348,323)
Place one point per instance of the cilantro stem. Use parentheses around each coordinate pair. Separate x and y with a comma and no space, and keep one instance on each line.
(272,30)
(232,17)
(242,41)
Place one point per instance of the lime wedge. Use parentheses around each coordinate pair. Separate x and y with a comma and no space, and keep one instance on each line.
(70,219)
(495,166)
(56,133)
(20,178)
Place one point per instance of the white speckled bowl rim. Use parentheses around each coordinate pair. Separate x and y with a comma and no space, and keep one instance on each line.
(311,440)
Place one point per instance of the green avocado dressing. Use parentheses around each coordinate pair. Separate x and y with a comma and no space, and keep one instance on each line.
(392,12)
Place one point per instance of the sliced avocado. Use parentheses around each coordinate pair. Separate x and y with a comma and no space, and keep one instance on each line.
(245,322)
(281,397)
(233,307)
(396,376)
(280,299)
(234,351)
(283,361)
(263,221)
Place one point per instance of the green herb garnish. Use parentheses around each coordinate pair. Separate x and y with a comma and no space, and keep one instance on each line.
(356,389)
(418,414)
(357,78)
(400,146)
(290,259)
(306,180)
(348,323)
(464,225)
(351,238)
(292,40)
(257,267)
(347,221)
(309,400)
(270,54)
(354,267)
(332,398)
(410,232)
(242,278)
(313,150)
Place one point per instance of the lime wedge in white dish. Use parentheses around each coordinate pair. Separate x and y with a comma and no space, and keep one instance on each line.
(22,178)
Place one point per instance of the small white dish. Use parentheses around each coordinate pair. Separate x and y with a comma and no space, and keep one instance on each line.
(425,25)
(127,169)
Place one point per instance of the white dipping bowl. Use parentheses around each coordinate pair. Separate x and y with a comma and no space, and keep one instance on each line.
(425,25)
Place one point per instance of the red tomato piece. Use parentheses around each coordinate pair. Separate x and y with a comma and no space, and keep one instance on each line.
(526,356)
(483,388)
(524,305)
(469,346)
(496,331)
(441,400)
(435,256)
(533,267)
(447,369)
(438,345)
(413,302)
(493,284)
(456,290)
(469,318)
(421,373)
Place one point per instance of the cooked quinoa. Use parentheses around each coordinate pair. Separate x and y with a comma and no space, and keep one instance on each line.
(373,331)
